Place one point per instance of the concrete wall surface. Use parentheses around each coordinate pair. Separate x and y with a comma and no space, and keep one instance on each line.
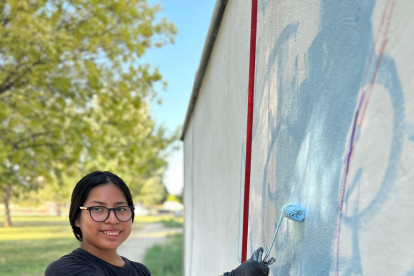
(333,132)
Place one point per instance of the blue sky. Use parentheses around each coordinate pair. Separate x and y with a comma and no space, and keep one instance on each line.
(178,64)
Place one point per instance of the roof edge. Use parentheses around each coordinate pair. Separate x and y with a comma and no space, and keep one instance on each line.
(205,57)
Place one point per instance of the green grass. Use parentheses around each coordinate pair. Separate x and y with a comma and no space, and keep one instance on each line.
(34,241)
(31,257)
(173,222)
(167,259)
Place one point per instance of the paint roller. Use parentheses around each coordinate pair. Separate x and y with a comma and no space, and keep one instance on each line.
(289,211)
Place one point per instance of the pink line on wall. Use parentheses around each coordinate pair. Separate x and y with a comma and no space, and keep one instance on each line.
(382,38)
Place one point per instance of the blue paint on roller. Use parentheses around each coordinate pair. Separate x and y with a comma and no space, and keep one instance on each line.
(289,211)
(293,212)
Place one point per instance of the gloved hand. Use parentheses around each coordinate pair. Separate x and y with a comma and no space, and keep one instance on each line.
(253,267)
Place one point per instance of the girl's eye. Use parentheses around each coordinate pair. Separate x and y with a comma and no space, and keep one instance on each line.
(121,209)
(97,209)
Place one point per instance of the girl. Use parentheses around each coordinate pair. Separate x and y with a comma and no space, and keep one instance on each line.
(101,215)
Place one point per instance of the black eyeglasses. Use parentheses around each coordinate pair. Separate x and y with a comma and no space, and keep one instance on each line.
(101,214)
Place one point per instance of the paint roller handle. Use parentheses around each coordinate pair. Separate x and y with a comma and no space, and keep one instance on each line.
(253,267)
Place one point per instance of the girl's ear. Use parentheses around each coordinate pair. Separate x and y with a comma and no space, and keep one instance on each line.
(77,224)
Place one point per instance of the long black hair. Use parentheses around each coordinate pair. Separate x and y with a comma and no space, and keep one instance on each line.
(81,192)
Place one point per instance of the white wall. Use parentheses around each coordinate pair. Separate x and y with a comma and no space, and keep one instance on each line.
(333,133)
(214,151)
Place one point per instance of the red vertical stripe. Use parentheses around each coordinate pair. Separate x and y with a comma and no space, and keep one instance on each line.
(252,63)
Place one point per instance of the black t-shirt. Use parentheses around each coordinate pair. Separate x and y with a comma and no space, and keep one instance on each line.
(83,263)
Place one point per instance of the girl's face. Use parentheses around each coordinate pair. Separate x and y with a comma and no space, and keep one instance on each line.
(111,233)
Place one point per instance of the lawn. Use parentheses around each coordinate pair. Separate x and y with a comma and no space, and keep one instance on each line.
(35,241)
(31,257)
(167,259)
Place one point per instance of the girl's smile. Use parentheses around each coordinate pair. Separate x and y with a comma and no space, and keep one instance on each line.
(100,237)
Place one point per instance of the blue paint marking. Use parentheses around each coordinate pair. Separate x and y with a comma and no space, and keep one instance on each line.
(388,77)
(410,132)
(410,273)
(354,183)
(285,36)
(327,98)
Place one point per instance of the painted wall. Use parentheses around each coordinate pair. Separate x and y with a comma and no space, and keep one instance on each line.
(333,133)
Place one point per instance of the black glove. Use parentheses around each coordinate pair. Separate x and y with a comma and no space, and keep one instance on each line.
(257,256)
(253,267)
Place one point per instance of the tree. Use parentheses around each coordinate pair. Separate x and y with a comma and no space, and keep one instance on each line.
(172,197)
(181,196)
(73,93)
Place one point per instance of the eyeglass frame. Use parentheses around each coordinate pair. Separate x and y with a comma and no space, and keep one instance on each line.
(132,208)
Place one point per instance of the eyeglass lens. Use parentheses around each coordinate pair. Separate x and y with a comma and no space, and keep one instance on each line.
(101,213)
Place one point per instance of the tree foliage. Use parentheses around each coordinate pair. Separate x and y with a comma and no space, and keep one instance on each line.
(74,96)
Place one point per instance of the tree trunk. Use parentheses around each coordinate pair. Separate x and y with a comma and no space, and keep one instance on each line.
(58,209)
(7,219)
